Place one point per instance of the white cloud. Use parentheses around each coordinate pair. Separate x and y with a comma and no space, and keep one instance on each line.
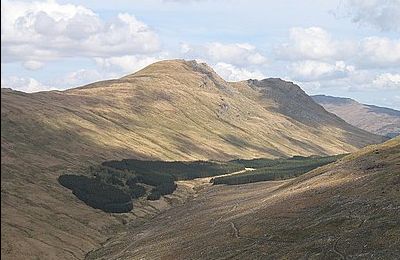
(233,62)
(24,84)
(79,77)
(387,81)
(382,14)
(72,79)
(310,70)
(356,81)
(313,43)
(379,52)
(238,54)
(231,73)
(125,64)
(42,31)
(316,44)
(32,65)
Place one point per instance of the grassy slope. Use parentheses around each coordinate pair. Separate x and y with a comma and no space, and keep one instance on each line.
(170,110)
(347,209)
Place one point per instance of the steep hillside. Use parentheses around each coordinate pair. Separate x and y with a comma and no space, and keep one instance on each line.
(345,210)
(169,110)
(378,120)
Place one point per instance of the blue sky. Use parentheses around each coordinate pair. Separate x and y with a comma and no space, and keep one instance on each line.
(348,48)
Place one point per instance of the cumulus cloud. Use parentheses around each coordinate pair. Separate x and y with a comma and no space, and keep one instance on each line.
(79,77)
(233,61)
(382,14)
(231,73)
(356,81)
(71,79)
(24,84)
(42,31)
(379,52)
(126,63)
(238,54)
(387,81)
(32,65)
(310,70)
(313,43)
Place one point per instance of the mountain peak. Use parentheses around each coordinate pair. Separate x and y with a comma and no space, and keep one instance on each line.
(184,71)
(175,66)
(277,85)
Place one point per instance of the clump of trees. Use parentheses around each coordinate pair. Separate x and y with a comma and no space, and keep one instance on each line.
(97,194)
(112,189)
(179,170)
(162,175)
(162,189)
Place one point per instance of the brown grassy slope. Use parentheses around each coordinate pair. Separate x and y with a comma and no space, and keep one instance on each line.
(346,210)
(378,120)
(169,110)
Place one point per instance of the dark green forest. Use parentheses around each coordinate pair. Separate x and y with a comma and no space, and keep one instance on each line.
(179,170)
(274,169)
(97,194)
(113,185)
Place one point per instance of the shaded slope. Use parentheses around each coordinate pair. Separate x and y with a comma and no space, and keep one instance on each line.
(345,210)
(378,120)
(169,110)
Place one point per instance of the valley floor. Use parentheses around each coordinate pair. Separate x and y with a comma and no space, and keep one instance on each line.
(346,210)
(208,209)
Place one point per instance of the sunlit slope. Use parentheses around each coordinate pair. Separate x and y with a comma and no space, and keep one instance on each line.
(178,110)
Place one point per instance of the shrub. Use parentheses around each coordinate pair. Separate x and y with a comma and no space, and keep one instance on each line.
(166,188)
(136,191)
(131,182)
(154,195)
(115,180)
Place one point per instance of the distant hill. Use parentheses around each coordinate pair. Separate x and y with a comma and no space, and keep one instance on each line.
(378,120)
(170,110)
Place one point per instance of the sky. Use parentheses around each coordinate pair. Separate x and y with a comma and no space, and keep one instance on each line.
(345,48)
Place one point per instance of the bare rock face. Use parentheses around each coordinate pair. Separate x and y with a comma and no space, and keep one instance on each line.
(377,120)
(292,101)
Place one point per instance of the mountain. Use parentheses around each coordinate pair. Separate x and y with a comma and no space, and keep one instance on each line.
(170,110)
(345,210)
(378,120)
